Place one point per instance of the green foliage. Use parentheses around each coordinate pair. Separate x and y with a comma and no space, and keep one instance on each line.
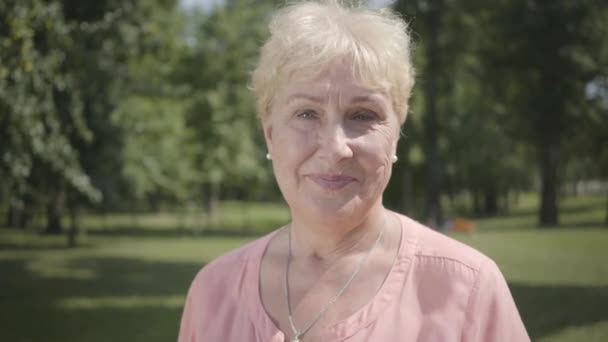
(548,59)
(221,108)
(115,36)
(41,106)
(136,103)
(157,154)
(551,57)
(64,69)
(511,91)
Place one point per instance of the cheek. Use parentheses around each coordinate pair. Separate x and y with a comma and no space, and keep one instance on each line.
(375,158)
(376,151)
(291,145)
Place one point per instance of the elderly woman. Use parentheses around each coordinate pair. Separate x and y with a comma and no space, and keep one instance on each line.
(332,87)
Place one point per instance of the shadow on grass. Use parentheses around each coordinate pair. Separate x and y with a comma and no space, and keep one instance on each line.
(584,224)
(20,246)
(8,246)
(567,209)
(564,209)
(512,225)
(34,241)
(546,310)
(121,300)
(143,232)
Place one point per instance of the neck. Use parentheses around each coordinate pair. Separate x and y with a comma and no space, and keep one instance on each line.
(327,242)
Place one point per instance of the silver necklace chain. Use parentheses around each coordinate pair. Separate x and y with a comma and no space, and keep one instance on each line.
(297,334)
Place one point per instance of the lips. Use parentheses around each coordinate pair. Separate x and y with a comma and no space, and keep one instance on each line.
(332,182)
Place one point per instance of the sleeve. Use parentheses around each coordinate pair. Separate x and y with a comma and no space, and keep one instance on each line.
(491,312)
(190,315)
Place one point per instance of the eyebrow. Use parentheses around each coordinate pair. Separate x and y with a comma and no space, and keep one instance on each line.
(370,99)
(298,96)
(320,99)
(363,98)
(360,98)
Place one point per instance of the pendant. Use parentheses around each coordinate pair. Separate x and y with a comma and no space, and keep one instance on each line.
(296,340)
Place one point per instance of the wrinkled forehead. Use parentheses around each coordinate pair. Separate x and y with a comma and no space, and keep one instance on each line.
(335,79)
(343,68)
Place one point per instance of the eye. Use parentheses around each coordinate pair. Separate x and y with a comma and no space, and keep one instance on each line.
(364,115)
(306,114)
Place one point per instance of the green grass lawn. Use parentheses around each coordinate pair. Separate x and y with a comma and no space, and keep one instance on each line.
(128,278)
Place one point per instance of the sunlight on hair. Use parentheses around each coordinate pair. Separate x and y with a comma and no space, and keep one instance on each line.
(307,37)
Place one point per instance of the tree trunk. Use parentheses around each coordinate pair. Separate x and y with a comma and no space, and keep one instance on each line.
(433,212)
(154,202)
(202,220)
(54,212)
(506,204)
(516,197)
(74,226)
(477,209)
(104,219)
(606,219)
(211,203)
(26,213)
(490,202)
(18,214)
(12,215)
(133,215)
(549,162)
(183,213)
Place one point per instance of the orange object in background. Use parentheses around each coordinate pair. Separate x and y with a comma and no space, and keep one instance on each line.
(463,225)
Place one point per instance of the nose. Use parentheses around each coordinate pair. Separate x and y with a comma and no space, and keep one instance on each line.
(334,143)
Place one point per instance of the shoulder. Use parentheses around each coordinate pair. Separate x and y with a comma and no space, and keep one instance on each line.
(433,247)
(228,271)
(215,294)
(447,273)
(443,263)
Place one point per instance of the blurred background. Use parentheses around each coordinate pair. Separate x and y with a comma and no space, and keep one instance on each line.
(130,155)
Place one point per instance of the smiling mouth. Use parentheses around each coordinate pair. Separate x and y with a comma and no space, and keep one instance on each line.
(332,182)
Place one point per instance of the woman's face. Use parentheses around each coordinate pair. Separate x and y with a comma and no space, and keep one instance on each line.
(332,142)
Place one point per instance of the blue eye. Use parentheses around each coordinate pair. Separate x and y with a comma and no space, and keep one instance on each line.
(306,114)
(364,116)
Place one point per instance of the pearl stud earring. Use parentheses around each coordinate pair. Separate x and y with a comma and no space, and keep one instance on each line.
(268,156)
(395,158)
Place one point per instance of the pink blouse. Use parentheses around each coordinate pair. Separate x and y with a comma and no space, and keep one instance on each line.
(438,289)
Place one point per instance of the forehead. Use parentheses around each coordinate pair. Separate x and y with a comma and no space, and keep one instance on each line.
(335,81)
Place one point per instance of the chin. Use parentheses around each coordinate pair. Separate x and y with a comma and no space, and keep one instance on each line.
(334,210)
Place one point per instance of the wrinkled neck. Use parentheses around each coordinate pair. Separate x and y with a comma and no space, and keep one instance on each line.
(324,245)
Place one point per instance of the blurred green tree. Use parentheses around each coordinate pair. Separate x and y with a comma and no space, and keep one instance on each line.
(429,16)
(509,80)
(41,108)
(550,52)
(158,149)
(220,107)
(64,68)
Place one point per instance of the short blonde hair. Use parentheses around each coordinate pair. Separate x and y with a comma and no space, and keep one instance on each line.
(307,36)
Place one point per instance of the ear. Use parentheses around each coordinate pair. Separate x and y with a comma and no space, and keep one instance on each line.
(267,126)
(396,142)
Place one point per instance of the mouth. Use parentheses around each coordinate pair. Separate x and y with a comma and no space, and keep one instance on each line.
(331,182)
